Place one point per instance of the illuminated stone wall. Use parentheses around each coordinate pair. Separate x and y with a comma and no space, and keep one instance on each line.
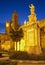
(6,45)
(32,38)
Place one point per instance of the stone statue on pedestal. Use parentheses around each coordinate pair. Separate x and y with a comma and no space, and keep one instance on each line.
(32,9)
(32,16)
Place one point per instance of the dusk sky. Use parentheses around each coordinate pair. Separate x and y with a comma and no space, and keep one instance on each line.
(7,7)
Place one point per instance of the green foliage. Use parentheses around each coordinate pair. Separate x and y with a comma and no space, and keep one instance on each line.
(16,35)
(19,55)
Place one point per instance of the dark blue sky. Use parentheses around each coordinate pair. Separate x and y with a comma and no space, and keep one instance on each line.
(7,7)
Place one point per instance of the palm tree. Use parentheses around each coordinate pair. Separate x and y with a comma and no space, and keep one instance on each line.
(16,35)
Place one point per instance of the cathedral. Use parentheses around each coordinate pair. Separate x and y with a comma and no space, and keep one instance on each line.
(33,40)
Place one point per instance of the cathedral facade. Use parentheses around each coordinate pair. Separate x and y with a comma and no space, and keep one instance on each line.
(34,34)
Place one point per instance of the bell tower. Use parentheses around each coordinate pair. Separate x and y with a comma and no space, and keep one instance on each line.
(14,20)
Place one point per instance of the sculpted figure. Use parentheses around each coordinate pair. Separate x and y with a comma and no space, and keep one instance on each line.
(32,9)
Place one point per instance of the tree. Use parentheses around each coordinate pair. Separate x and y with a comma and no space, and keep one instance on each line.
(16,35)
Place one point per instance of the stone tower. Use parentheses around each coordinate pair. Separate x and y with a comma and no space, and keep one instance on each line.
(15,20)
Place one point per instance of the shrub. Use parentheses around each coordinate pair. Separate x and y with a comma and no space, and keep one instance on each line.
(19,55)
(25,56)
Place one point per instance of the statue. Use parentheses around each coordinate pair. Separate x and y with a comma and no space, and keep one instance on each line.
(32,8)
(32,17)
